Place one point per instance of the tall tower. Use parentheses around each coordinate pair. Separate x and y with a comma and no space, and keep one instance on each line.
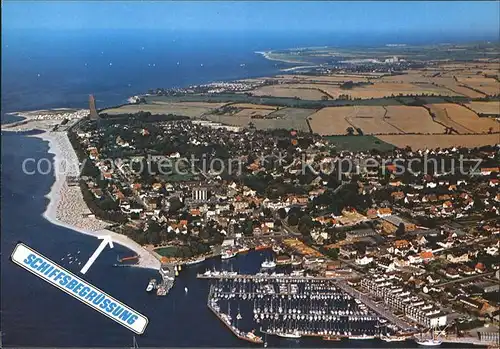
(93,111)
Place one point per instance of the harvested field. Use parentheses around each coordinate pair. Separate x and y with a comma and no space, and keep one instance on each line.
(286,91)
(412,120)
(335,120)
(461,119)
(486,108)
(409,77)
(330,121)
(370,120)
(329,79)
(441,141)
(387,89)
(190,109)
(488,86)
(465,91)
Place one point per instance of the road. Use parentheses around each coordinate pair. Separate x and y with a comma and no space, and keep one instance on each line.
(464,279)
(369,302)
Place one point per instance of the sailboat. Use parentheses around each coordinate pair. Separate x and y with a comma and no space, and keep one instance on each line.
(239,317)
(134,343)
(430,342)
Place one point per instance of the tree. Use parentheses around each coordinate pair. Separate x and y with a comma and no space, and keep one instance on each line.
(401,229)
(175,205)
(293,220)
(350,131)
(204,234)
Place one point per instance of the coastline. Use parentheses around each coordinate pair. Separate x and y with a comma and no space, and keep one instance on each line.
(267,55)
(67,207)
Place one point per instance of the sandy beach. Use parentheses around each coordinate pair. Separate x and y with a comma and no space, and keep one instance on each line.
(67,207)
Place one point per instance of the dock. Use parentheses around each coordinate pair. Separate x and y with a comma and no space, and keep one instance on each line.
(227,322)
(167,273)
(294,307)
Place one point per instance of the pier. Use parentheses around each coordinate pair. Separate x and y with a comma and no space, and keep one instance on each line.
(226,320)
(167,273)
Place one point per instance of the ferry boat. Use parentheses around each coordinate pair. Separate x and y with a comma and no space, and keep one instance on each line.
(151,285)
(195,261)
(228,254)
(268,264)
(429,342)
(362,337)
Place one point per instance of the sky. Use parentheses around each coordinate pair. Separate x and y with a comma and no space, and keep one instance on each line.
(472,17)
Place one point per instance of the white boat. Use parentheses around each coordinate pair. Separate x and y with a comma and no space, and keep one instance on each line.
(392,338)
(362,337)
(294,334)
(429,342)
(195,261)
(151,285)
(228,254)
(185,289)
(268,264)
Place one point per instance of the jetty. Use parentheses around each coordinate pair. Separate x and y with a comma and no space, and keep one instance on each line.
(226,320)
(167,273)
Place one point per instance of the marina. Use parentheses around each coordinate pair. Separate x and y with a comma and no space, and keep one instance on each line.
(294,307)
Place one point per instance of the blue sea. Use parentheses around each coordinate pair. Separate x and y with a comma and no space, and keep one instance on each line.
(52,69)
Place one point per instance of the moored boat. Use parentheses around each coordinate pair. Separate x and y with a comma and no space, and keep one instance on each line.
(331,338)
(151,285)
(228,254)
(361,337)
(250,336)
(392,338)
(294,334)
(268,264)
(243,249)
(195,261)
(429,342)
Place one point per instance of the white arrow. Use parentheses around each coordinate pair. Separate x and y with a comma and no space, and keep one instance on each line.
(106,239)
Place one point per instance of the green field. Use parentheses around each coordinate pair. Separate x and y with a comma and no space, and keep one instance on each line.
(359,143)
(174,251)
